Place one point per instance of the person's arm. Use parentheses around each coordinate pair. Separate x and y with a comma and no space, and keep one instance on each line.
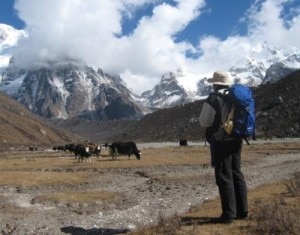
(207,115)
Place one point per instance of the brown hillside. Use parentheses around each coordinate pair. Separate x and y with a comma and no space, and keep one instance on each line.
(278,108)
(163,125)
(18,126)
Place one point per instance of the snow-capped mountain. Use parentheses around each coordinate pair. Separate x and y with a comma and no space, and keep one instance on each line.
(72,89)
(167,93)
(65,90)
(264,65)
(282,68)
(176,88)
(255,69)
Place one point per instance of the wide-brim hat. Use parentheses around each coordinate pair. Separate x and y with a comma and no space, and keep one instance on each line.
(220,78)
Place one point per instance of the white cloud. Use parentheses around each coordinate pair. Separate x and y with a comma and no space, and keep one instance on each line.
(267,23)
(92,30)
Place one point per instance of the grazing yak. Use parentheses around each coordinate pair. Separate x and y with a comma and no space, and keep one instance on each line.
(94,149)
(70,147)
(82,152)
(125,148)
(183,143)
(33,148)
(86,150)
(59,148)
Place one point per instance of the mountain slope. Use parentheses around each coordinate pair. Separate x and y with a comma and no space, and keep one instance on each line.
(278,107)
(18,126)
(277,113)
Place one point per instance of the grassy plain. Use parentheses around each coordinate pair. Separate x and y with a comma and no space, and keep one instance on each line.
(26,170)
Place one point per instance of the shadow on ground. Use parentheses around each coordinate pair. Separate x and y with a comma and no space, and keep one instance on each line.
(191,221)
(93,231)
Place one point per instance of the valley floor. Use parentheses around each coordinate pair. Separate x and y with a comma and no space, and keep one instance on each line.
(48,192)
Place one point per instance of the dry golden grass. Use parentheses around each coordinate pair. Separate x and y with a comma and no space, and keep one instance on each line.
(38,168)
(150,157)
(30,179)
(272,148)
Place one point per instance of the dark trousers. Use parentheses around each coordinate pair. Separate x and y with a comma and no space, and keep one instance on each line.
(229,178)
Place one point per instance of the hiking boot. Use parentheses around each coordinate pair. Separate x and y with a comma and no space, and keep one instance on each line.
(242,216)
(221,220)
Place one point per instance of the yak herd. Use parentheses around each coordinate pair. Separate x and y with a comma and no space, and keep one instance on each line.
(84,151)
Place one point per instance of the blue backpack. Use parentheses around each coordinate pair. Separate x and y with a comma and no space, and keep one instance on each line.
(240,122)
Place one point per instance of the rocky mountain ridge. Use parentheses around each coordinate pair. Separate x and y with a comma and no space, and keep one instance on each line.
(72,89)
(277,116)
(166,93)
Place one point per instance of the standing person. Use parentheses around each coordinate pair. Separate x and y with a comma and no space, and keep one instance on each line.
(225,152)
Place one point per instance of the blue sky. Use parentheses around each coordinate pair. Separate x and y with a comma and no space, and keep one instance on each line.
(220,18)
(212,22)
(8,15)
(142,39)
